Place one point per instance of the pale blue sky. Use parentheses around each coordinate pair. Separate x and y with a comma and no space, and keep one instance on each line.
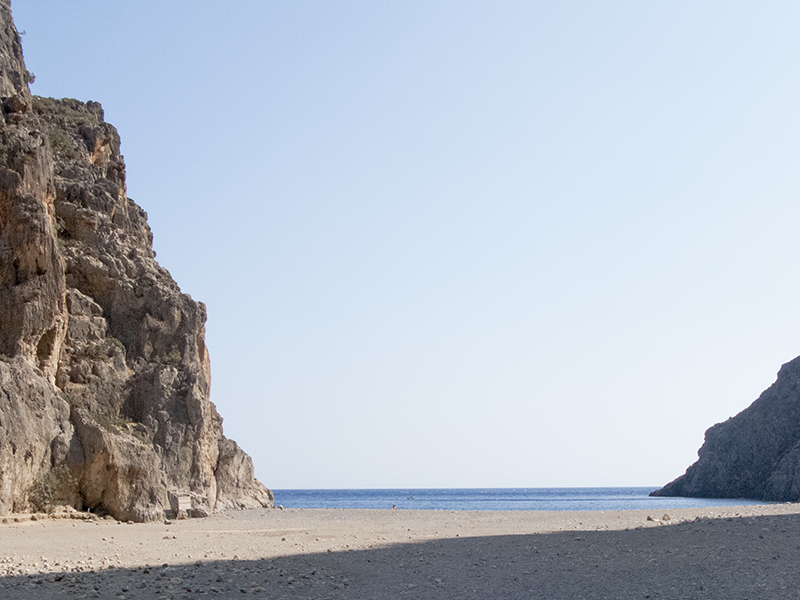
(461,244)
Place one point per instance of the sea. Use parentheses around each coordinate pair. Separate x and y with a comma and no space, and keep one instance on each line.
(584,498)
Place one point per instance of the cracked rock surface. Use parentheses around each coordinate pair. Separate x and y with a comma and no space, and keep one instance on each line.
(104,373)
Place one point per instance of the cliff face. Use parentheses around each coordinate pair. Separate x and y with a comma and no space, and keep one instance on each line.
(104,373)
(755,454)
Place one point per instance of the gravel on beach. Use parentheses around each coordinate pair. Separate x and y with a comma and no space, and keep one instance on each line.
(736,553)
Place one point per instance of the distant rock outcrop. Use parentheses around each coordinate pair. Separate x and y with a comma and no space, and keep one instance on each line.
(104,372)
(755,454)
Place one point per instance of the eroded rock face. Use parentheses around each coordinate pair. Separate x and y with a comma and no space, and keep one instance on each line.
(755,454)
(104,373)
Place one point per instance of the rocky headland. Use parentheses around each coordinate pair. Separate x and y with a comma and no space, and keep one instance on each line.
(104,373)
(755,454)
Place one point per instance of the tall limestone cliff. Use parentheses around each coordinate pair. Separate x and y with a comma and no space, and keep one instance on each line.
(104,373)
(755,454)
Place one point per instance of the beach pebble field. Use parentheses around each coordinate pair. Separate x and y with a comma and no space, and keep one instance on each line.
(736,553)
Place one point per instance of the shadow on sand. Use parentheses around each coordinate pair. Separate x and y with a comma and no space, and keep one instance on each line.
(732,559)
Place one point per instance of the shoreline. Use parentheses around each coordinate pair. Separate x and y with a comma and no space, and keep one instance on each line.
(377,553)
(500,499)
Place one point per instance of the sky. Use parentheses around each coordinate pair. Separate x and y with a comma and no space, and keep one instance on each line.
(461,244)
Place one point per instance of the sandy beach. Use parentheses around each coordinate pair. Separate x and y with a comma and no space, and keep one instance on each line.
(745,552)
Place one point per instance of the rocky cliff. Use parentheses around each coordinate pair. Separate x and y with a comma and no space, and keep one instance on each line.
(755,454)
(104,372)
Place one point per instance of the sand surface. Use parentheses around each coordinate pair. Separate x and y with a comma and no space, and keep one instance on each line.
(745,552)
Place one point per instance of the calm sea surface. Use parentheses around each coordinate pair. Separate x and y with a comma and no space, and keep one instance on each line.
(625,498)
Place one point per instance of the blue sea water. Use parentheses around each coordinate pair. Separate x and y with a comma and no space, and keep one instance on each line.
(599,498)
